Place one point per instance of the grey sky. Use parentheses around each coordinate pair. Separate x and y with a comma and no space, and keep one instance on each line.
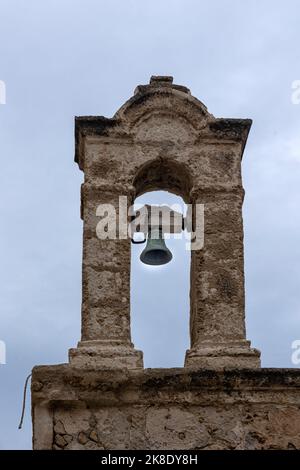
(68,57)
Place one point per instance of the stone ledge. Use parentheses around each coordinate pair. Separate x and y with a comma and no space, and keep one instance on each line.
(76,408)
(106,386)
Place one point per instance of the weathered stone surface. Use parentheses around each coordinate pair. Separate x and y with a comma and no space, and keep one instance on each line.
(60,441)
(164,138)
(68,438)
(59,428)
(82,438)
(168,408)
(93,436)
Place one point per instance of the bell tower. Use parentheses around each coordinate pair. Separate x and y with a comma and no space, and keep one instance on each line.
(103,398)
(164,138)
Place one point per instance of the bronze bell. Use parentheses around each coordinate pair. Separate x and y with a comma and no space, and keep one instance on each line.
(156,252)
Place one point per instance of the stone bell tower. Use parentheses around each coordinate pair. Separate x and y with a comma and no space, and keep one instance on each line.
(161,138)
(164,138)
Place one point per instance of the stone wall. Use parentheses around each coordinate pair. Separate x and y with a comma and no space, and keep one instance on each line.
(165,409)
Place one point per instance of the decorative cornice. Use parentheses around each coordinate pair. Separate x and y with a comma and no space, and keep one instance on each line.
(159,96)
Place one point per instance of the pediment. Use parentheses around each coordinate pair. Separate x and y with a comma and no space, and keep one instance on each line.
(172,105)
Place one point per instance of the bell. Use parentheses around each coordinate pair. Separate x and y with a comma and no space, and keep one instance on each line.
(156,252)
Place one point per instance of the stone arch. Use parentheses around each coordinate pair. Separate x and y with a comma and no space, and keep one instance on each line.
(163,174)
(160,296)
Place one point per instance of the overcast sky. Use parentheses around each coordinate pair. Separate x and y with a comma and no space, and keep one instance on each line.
(68,57)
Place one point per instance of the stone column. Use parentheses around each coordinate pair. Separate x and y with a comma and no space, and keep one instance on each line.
(217,322)
(105,339)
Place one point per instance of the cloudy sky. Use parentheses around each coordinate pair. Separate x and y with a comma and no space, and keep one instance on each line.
(62,58)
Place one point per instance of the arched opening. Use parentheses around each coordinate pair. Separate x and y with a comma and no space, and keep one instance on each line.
(160,304)
(164,174)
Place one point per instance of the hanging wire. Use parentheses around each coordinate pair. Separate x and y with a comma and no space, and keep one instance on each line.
(24,401)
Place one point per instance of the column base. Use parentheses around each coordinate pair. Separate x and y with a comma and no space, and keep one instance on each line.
(106,355)
(213,355)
